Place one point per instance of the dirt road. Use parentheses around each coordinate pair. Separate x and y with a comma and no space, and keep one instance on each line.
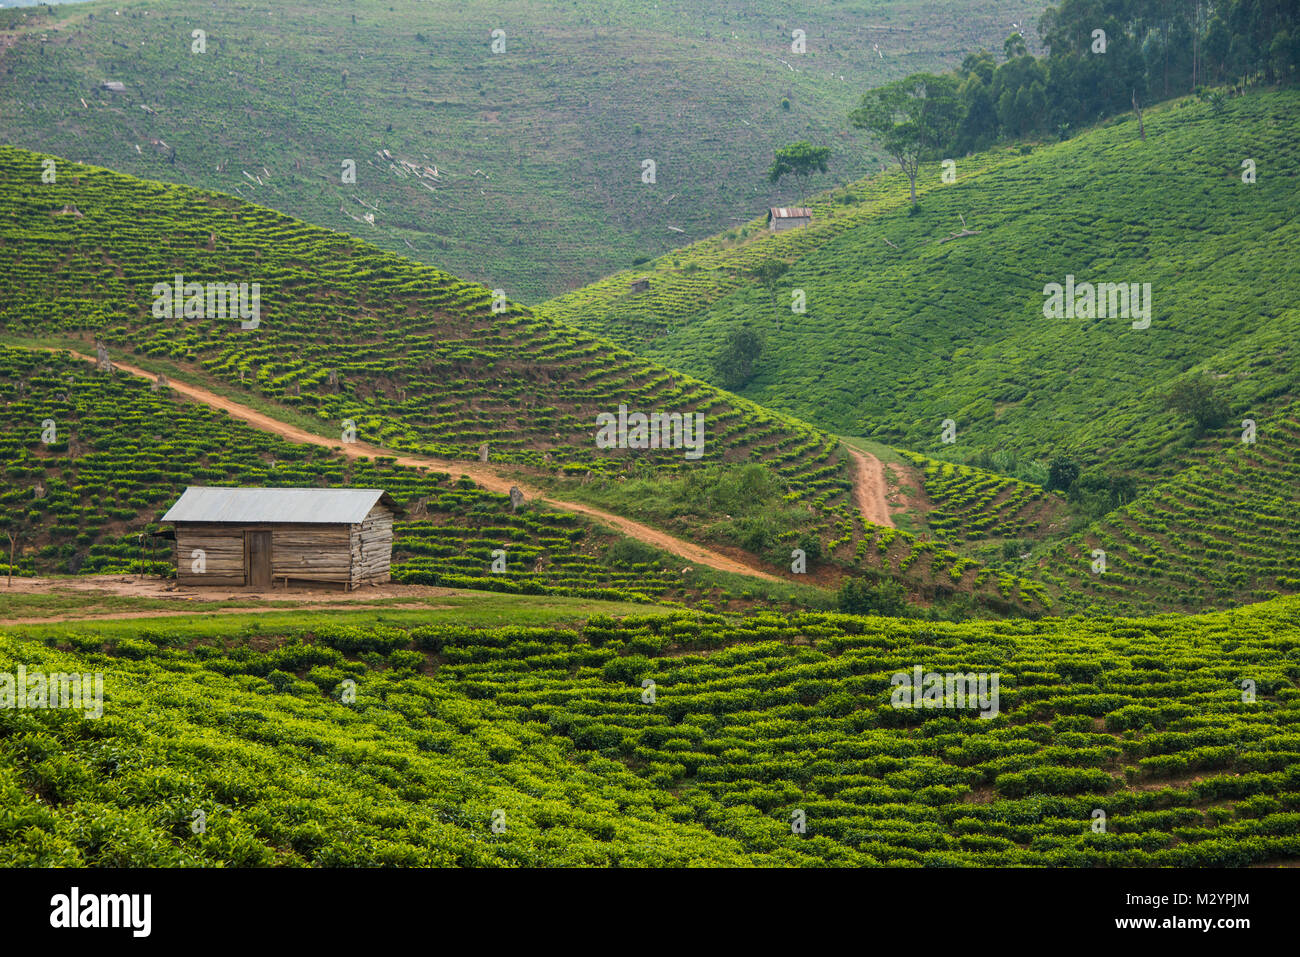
(136,586)
(484,474)
(206,613)
(869,489)
(89,589)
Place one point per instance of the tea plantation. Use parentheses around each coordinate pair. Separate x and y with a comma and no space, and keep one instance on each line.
(909,322)
(965,503)
(412,359)
(121,453)
(416,360)
(665,740)
(1221,533)
(595,703)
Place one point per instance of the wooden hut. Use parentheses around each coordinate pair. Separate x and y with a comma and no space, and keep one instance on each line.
(264,537)
(781,218)
(640,285)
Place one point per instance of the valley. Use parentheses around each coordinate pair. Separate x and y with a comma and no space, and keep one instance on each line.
(695,434)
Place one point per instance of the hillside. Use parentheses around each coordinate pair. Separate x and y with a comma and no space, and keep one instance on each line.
(121,452)
(423,450)
(659,740)
(968,504)
(1220,533)
(356,344)
(415,359)
(909,324)
(520,169)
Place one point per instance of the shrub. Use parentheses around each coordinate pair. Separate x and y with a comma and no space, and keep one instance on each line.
(858,596)
(627,670)
(403,659)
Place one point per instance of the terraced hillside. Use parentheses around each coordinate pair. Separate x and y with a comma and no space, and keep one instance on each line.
(120,453)
(667,740)
(1219,534)
(366,346)
(972,504)
(912,320)
(519,168)
(410,357)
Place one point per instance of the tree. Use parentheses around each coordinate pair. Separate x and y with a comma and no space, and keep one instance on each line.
(1062,473)
(1019,90)
(979,124)
(1015,47)
(1097,492)
(769,273)
(1201,401)
(13,541)
(802,159)
(913,118)
(735,366)
(17,528)
(1217,39)
(980,64)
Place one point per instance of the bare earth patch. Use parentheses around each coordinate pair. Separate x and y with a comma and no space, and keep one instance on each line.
(127,586)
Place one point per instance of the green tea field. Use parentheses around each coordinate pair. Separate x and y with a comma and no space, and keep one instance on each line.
(662,741)
(446,440)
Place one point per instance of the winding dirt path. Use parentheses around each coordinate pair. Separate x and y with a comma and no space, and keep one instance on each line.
(480,472)
(869,489)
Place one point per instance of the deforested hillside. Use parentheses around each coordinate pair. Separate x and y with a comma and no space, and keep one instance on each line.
(505,143)
(913,321)
(663,740)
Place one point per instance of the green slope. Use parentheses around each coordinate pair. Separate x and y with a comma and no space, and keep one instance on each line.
(1222,532)
(538,149)
(904,330)
(121,453)
(549,733)
(968,504)
(413,777)
(417,360)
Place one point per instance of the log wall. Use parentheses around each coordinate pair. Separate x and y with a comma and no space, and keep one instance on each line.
(311,551)
(339,553)
(223,555)
(371,545)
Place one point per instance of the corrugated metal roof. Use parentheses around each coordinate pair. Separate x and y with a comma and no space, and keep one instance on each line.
(789,212)
(293,505)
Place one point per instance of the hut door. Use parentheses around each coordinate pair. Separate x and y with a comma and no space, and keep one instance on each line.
(257,556)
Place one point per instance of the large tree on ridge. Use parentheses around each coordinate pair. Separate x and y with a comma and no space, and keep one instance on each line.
(913,118)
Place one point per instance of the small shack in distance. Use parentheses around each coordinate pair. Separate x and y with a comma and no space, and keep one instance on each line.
(256,537)
(781,218)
